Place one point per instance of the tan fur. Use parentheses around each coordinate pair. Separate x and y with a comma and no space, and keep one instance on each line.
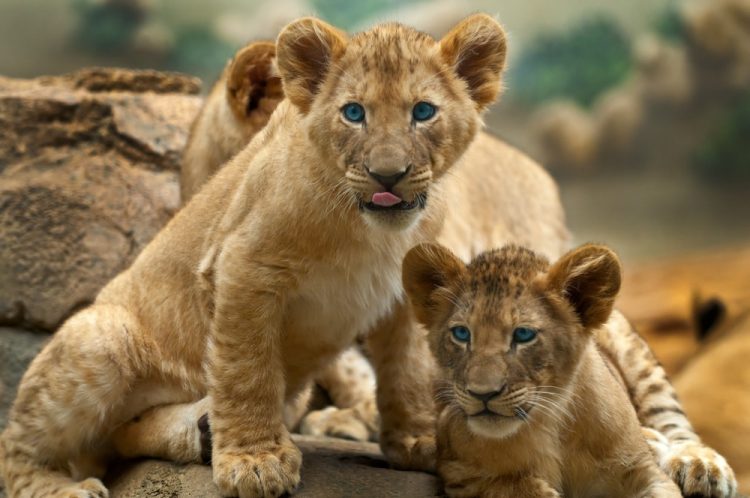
(195,313)
(498,195)
(269,272)
(715,391)
(559,422)
(237,108)
(478,219)
(527,212)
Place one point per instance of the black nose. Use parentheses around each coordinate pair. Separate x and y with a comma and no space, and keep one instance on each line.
(486,397)
(388,181)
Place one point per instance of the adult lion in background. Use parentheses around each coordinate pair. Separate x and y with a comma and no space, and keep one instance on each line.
(714,386)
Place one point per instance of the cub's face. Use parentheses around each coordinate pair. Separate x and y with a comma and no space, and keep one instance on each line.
(391,109)
(507,330)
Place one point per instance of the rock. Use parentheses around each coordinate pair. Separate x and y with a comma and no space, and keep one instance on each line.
(331,468)
(88,175)
(17,349)
(663,72)
(567,134)
(719,35)
(618,115)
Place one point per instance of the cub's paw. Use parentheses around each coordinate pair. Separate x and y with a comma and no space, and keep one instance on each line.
(699,470)
(335,422)
(267,473)
(539,488)
(409,451)
(89,488)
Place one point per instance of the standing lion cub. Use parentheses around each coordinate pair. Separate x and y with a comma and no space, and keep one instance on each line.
(529,405)
(291,251)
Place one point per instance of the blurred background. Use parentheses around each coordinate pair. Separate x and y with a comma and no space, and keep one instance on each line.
(641,109)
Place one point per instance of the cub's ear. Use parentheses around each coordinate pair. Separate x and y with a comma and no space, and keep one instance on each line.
(253,88)
(305,50)
(430,272)
(476,49)
(589,279)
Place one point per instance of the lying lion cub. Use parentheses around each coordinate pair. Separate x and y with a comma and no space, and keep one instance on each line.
(529,405)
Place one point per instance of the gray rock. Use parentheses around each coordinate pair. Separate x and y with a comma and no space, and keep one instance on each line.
(17,349)
(332,468)
(88,175)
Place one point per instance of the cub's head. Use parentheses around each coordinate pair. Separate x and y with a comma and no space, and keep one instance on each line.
(508,330)
(390,109)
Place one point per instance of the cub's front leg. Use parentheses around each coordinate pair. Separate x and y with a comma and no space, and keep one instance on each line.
(404,366)
(253,455)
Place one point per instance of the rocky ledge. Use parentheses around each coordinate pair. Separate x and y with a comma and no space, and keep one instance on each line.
(332,468)
(88,175)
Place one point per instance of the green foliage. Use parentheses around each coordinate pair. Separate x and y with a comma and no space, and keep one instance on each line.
(670,24)
(578,64)
(197,50)
(106,26)
(725,155)
(346,14)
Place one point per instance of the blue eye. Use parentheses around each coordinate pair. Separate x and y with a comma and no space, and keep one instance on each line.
(523,334)
(423,111)
(461,334)
(353,112)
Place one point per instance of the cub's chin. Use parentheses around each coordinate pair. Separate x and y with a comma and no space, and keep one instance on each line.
(401,216)
(494,426)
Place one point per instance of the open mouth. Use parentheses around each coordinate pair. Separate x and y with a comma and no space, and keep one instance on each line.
(401,206)
(420,201)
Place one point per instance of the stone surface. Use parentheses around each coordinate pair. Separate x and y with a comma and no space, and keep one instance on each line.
(88,175)
(331,469)
(17,348)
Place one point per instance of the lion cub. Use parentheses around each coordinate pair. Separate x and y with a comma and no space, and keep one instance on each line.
(274,268)
(529,406)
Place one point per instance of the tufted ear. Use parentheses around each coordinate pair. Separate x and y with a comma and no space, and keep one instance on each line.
(476,48)
(589,279)
(430,272)
(253,88)
(305,50)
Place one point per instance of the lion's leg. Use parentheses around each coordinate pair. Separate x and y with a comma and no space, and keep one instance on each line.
(350,383)
(170,432)
(404,367)
(180,432)
(68,402)
(696,468)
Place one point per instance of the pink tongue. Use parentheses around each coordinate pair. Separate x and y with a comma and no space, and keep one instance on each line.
(385,199)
